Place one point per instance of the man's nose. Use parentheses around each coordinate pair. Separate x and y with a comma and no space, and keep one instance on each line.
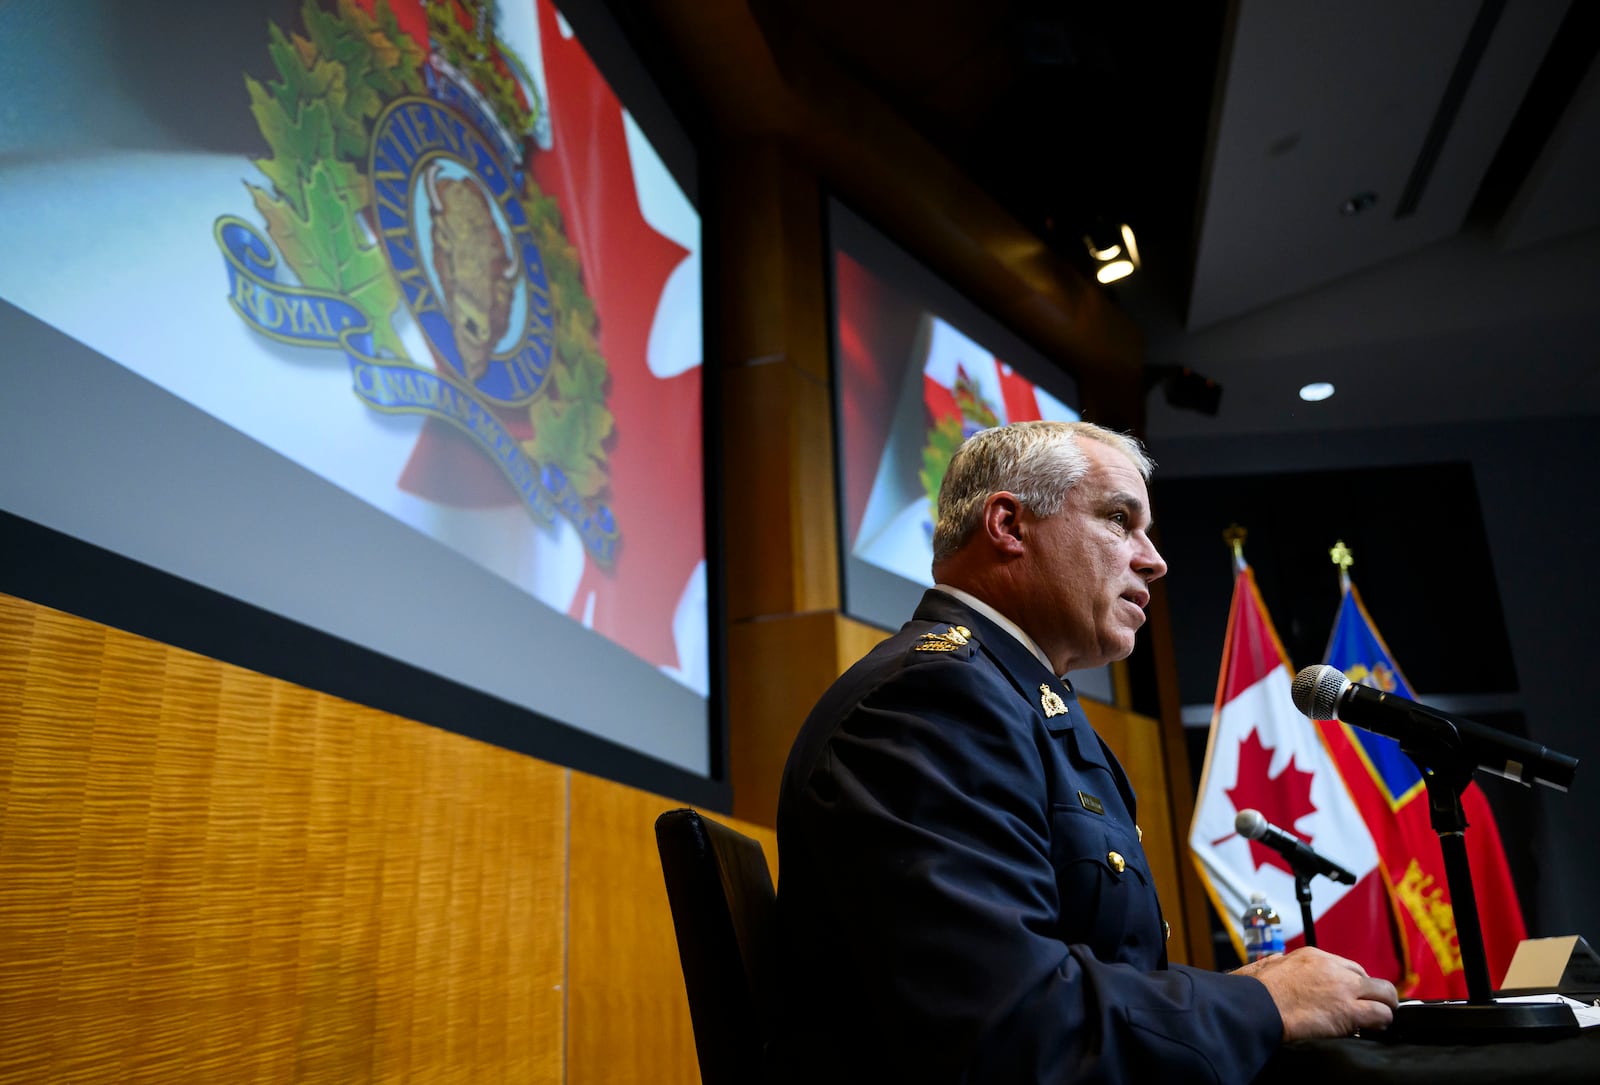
(1149,563)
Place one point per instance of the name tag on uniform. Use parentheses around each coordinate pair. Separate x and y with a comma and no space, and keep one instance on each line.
(1090,803)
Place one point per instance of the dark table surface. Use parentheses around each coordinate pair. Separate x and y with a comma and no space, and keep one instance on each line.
(1372,1062)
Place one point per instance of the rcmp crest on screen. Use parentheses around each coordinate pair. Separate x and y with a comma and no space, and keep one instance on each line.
(402,183)
(460,245)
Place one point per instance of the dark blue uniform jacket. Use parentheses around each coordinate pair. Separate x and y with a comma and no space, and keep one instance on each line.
(962,893)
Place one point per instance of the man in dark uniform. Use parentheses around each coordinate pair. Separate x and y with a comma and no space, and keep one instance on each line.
(962,892)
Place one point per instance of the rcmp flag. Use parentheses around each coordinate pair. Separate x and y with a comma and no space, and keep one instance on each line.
(1263,754)
(1388,788)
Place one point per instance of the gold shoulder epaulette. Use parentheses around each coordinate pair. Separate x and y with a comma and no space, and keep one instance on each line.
(957,636)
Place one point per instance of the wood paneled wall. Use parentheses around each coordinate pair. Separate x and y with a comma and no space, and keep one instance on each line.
(209,875)
(786,638)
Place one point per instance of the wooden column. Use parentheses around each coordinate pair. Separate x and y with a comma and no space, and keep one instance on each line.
(786,638)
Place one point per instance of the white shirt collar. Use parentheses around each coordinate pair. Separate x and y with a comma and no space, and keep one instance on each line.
(1003,622)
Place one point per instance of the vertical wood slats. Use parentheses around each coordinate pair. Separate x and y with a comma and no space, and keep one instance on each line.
(209,875)
(628,1011)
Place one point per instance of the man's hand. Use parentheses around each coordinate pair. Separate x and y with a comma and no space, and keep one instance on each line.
(1320,994)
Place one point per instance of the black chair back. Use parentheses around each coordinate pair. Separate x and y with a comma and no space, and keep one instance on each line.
(724,911)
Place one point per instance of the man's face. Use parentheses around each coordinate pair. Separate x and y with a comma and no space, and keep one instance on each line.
(1091,564)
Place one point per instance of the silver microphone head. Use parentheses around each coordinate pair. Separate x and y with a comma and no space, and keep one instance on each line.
(1316,691)
(1250,824)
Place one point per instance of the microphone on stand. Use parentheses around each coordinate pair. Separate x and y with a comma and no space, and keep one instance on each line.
(1324,693)
(1449,750)
(1252,825)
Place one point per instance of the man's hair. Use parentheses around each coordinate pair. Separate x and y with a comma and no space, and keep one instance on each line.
(1037,461)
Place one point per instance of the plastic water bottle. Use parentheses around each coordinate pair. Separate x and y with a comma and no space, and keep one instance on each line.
(1263,935)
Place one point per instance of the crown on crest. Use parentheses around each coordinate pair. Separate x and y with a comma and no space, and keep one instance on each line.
(469,70)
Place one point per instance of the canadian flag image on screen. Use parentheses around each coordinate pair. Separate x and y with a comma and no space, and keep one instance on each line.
(959,380)
(645,286)
(1011,396)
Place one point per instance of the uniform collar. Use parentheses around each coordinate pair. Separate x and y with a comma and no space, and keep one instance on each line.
(1009,648)
(1004,623)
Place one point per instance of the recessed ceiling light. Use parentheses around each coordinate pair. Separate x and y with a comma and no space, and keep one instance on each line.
(1316,391)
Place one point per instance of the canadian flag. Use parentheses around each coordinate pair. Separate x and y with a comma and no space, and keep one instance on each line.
(1263,755)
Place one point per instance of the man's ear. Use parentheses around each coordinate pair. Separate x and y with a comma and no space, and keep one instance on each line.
(1002,523)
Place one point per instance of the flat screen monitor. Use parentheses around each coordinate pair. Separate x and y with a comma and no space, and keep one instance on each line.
(384,318)
(918,368)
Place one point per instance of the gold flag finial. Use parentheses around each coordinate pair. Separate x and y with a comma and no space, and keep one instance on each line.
(1343,558)
(1234,537)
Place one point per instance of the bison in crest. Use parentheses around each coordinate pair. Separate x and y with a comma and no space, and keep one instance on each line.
(476,265)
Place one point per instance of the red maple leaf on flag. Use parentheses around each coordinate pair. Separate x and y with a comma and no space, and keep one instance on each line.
(1282,801)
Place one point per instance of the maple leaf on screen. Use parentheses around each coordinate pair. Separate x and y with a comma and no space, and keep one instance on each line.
(1283,800)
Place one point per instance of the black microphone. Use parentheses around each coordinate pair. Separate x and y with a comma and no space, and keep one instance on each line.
(1251,824)
(1324,693)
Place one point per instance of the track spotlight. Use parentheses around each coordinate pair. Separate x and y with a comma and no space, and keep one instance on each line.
(1114,251)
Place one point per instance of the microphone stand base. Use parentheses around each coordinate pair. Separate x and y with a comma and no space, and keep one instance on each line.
(1480,1023)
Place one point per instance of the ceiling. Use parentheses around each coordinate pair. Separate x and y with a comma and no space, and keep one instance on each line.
(1231,136)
